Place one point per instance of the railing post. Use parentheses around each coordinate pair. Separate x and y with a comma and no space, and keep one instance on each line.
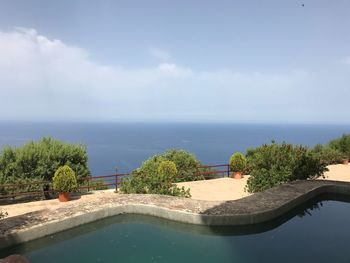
(88,184)
(228,170)
(116,179)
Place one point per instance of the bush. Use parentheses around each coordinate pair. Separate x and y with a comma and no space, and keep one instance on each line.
(160,182)
(167,169)
(238,162)
(37,161)
(275,164)
(341,145)
(327,155)
(64,180)
(3,214)
(186,164)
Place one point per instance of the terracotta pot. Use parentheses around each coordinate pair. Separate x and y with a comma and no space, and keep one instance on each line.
(346,161)
(237,175)
(63,197)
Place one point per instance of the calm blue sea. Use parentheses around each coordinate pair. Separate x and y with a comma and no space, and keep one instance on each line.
(126,145)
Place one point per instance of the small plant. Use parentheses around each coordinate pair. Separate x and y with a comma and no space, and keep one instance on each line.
(64,180)
(3,214)
(167,169)
(238,162)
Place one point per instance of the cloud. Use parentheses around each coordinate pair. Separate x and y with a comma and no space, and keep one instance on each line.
(46,79)
(159,54)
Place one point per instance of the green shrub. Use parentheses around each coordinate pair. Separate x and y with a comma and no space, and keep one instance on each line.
(327,155)
(64,180)
(275,164)
(37,161)
(3,214)
(167,169)
(186,164)
(159,182)
(238,162)
(342,145)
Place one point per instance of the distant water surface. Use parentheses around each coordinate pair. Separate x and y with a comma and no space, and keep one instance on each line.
(126,145)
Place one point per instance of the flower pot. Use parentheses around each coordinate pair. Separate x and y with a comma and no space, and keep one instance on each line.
(346,161)
(63,197)
(237,175)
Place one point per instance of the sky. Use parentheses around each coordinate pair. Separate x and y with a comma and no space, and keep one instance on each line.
(247,61)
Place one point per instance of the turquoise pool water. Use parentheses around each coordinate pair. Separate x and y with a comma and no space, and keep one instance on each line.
(317,232)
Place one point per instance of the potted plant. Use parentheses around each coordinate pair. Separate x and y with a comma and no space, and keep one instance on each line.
(64,182)
(238,163)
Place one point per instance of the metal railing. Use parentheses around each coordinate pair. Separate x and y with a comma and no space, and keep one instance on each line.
(210,171)
(85,184)
(101,182)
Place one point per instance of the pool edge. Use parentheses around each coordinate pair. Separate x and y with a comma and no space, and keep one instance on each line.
(311,189)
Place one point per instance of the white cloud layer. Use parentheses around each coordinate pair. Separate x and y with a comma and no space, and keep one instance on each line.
(46,79)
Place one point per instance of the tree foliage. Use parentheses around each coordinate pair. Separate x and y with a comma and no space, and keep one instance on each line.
(341,145)
(64,180)
(186,165)
(155,181)
(36,161)
(327,155)
(274,164)
(238,162)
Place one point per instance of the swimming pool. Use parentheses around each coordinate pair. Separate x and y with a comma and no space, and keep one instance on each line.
(318,231)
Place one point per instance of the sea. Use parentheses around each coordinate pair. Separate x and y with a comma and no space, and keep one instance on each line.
(124,146)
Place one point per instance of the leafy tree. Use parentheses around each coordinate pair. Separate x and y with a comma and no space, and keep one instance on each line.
(275,164)
(36,161)
(327,155)
(342,145)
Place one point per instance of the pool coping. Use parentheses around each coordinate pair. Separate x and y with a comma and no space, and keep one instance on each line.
(258,208)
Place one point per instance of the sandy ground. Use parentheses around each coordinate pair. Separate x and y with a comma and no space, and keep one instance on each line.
(338,172)
(217,189)
(212,190)
(232,189)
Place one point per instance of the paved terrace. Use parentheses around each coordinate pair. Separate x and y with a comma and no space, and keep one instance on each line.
(32,220)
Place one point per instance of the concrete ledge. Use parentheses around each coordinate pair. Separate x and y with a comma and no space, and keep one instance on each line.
(258,208)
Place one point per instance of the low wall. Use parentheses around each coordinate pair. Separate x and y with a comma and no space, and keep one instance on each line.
(258,208)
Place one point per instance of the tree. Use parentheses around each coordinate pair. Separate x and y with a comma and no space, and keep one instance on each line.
(36,161)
